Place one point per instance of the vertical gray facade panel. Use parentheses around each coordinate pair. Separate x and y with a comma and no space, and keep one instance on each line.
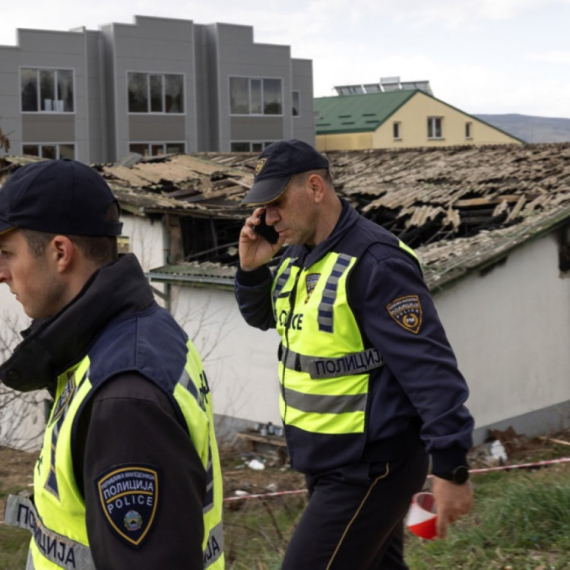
(133,52)
(57,50)
(304,123)
(252,61)
(96,108)
(214,87)
(108,62)
(10,116)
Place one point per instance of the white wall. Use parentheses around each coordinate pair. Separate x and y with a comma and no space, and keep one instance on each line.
(511,332)
(146,239)
(240,361)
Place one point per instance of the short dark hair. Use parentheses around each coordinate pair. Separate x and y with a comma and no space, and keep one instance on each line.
(100,249)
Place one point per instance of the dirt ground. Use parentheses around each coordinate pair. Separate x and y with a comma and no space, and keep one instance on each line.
(16,467)
(16,473)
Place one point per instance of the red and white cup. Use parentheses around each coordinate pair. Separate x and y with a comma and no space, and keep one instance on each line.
(421,518)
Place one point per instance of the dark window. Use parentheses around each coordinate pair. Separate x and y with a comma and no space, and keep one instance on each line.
(255,96)
(397,130)
(435,130)
(296,104)
(47,90)
(239,147)
(155,93)
(138,93)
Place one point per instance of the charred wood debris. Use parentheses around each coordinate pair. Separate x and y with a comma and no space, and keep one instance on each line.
(437,200)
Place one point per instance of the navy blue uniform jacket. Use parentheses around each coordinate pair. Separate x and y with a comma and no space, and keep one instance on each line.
(420,383)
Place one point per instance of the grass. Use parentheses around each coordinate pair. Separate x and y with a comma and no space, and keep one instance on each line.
(13,542)
(521,521)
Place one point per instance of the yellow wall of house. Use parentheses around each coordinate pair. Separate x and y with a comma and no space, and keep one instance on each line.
(350,141)
(413,119)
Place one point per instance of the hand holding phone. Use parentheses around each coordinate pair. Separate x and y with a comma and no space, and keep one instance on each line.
(269,233)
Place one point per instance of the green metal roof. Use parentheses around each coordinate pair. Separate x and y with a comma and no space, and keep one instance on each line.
(357,113)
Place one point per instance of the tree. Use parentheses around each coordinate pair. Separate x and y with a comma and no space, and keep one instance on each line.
(22,415)
(4,141)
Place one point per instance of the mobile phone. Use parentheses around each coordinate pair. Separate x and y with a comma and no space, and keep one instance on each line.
(267,232)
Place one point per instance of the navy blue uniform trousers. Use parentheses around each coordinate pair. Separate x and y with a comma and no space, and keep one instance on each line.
(354,519)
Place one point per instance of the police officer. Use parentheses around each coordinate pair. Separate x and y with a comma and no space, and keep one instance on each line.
(129,474)
(369,382)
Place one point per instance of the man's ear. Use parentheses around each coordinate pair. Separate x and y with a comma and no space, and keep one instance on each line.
(317,186)
(62,252)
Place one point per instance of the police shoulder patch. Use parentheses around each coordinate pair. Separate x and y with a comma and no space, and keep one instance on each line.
(128,495)
(407,312)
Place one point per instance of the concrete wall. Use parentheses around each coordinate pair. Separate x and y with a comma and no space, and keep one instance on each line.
(101,126)
(152,45)
(511,332)
(302,77)
(45,50)
(10,115)
(238,56)
(240,361)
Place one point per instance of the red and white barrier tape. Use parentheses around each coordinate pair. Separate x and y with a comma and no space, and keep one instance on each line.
(264,495)
(472,471)
(522,465)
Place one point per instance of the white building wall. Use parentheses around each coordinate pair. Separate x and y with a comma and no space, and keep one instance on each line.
(240,361)
(146,238)
(511,333)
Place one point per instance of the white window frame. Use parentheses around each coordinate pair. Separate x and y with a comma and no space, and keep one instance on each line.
(57,146)
(149,146)
(38,89)
(149,102)
(433,128)
(250,114)
(397,130)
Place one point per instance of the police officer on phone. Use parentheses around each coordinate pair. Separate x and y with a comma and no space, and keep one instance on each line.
(369,383)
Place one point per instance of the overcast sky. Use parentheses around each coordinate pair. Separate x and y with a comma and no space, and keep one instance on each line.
(482,56)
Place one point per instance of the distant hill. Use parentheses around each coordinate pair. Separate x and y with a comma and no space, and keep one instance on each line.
(531,129)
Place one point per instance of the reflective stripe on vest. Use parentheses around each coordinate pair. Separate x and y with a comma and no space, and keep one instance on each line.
(282,278)
(214,545)
(58,549)
(187,383)
(325,318)
(319,404)
(355,363)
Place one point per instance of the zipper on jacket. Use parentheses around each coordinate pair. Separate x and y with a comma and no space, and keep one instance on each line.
(292,298)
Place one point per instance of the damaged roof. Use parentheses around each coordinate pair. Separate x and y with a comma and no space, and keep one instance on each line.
(461,208)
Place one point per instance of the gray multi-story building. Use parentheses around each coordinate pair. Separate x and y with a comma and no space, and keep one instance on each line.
(158,85)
